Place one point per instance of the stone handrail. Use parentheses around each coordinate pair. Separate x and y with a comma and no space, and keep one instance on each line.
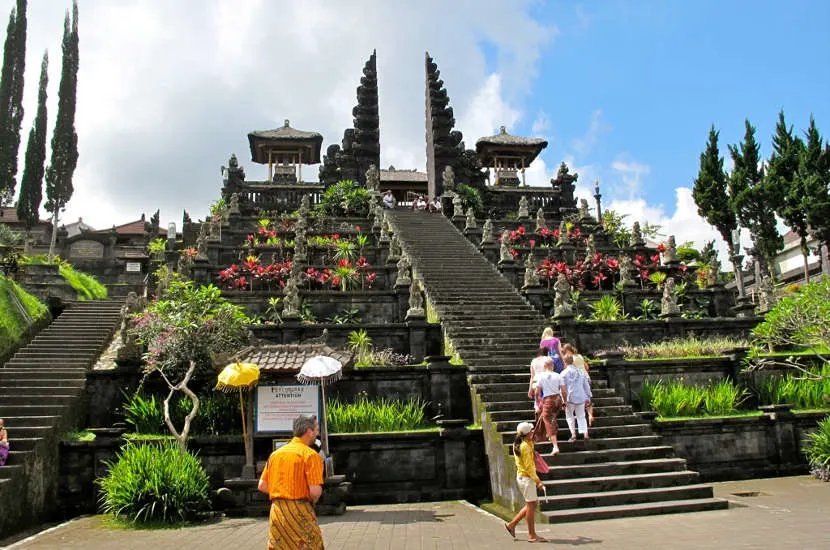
(256,196)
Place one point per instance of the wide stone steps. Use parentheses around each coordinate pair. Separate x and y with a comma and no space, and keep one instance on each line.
(36,390)
(23,443)
(621,498)
(596,432)
(9,470)
(608,469)
(45,420)
(8,399)
(597,401)
(13,383)
(526,408)
(609,455)
(511,418)
(496,388)
(633,510)
(619,482)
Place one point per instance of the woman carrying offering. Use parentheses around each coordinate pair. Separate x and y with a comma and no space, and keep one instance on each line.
(528,482)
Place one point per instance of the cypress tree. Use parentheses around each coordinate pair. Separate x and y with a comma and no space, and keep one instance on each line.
(783,168)
(59,187)
(752,200)
(709,191)
(31,186)
(814,178)
(11,99)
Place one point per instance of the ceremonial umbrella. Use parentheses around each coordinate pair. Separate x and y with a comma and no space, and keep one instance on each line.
(324,370)
(240,376)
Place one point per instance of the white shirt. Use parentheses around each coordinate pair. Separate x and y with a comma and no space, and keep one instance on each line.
(538,366)
(577,383)
(551,383)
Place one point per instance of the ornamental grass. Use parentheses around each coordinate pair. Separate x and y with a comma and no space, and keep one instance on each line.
(687,347)
(382,415)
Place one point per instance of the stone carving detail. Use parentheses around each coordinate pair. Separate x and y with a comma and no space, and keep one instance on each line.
(540,220)
(531,276)
(563,234)
(583,209)
(367,123)
(404,266)
(305,206)
(234,174)
(394,250)
(416,302)
(373,178)
(471,219)
(523,208)
(385,231)
(562,297)
(766,295)
(329,173)
(713,272)
(487,234)
(504,249)
(668,305)
(201,242)
(590,245)
(449,179)
(234,203)
(291,299)
(670,255)
(636,239)
(625,271)
(457,207)
(130,350)
(300,246)
(565,182)
(444,144)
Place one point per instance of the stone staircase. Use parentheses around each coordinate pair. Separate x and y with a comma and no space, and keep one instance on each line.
(622,471)
(41,390)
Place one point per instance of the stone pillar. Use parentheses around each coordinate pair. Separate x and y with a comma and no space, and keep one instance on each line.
(782,426)
(454,437)
(440,377)
(417,337)
(200,270)
(291,331)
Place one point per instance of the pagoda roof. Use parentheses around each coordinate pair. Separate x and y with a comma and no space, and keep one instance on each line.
(505,143)
(391,174)
(285,139)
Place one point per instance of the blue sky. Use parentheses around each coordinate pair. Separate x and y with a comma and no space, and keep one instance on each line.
(660,72)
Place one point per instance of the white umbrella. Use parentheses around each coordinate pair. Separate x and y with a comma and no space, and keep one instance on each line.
(322,369)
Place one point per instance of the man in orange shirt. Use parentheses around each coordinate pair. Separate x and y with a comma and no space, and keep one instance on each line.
(293,480)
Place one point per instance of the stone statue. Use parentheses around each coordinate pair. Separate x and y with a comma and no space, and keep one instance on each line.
(130,350)
(373,178)
(583,209)
(562,297)
(377,221)
(234,174)
(565,182)
(449,179)
(291,299)
(540,220)
(305,206)
(201,242)
(416,302)
(670,255)
(590,245)
(301,224)
(523,208)
(403,278)
(636,236)
(487,235)
(669,307)
(457,207)
(504,249)
(300,246)
(766,295)
(625,271)
(713,272)
(563,234)
(531,276)
(385,230)
(471,220)
(394,250)
(234,202)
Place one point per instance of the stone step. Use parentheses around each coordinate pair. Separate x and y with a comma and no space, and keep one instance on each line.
(41,373)
(24,443)
(48,365)
(17,457)
(496,340)
(609,469)
(41,409)
(20,381)
(28,432)
(52,399)
(63,389)
(10,470)
(649,440)
(511,418)
(56,355)
(620,483)
(633,510)
(508,432)
(610,455)
(619,498)
(500,388)
(526,406)
(13,421)
(511,377)
(597,401)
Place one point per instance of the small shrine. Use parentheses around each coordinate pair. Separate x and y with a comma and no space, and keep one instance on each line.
(508,155)
(285,150)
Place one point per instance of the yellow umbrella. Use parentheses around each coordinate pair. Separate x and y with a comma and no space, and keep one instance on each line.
(240,376)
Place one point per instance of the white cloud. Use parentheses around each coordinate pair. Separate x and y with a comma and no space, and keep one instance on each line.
(631,172)
(596,128)
(541,125)
(487,111)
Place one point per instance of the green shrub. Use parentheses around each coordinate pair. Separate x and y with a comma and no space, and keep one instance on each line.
(675,398)
(607,308)
(383,415)
(87,286)
(157,482)
(144,414)
(797,390)
(345,197)
(798,321)
(817,450)
(470,198)
(218,414)
(13,322)
(689,346)
(723,398)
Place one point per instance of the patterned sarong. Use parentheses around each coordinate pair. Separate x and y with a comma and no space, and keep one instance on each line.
(293,526)
(546,418)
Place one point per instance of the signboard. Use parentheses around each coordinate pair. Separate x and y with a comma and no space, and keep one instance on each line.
(86,249)
(133,267)
(277,405)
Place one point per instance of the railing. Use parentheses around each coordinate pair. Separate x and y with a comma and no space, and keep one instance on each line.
(503,200)
(256,196)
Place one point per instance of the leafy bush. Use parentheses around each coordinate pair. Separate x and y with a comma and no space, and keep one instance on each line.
(218,414)
(798,391)
(155,482)
(470,198)
(347,198)
(689,346)
(144,414)
(723,398)
(817,450)
(798,321)
(607,308)
(383,415)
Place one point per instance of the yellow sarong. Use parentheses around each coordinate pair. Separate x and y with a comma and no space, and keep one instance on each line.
(293,526)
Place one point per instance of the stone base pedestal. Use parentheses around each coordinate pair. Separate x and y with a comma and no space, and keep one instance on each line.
(240,498)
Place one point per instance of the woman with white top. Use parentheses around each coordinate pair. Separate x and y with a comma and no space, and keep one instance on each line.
(549,388)
(537,367)
(577,395)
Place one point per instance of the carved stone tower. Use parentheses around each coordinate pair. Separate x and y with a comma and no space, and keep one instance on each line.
(367,120)
(444,147)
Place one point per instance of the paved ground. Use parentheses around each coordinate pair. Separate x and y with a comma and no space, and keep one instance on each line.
(784,513)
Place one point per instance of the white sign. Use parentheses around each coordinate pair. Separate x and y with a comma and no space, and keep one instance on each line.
(278,405)
(133,267)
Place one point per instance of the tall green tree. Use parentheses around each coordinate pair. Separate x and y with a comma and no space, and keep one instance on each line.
(752,199)
(814,178)
(31,186)
(59,187)
(788,189)
(11,99)
(710,190)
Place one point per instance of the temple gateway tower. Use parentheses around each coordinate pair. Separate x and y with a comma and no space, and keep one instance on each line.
(285,150)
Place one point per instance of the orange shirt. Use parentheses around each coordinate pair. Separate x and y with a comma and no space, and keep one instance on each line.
(291,470)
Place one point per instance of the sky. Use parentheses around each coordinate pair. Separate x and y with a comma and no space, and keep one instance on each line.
(624,91)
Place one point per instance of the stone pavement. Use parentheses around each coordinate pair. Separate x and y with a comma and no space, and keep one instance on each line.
(775,513)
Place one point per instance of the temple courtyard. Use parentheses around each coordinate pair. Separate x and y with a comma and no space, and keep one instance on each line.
(789,512)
